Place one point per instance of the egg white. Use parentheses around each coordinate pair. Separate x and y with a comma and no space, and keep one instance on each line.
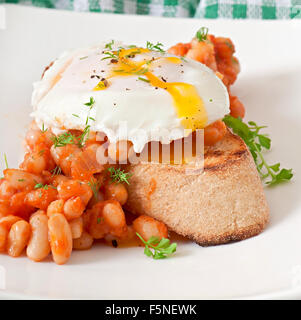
(129,109)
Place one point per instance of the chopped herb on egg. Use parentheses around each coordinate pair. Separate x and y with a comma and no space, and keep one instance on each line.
(155,47)
(109,45)
(143,79)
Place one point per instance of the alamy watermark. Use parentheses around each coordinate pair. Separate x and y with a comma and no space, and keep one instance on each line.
(183,147)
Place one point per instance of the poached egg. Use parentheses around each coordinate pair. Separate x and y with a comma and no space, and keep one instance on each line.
(128,93)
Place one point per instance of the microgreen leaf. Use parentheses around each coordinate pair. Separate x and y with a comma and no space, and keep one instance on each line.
(256,143)
(95,186)
(5,160)
(156,248)
(202,34)
(155,47)
(119,176)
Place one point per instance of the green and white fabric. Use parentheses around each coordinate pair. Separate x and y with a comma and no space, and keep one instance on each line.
(212,9)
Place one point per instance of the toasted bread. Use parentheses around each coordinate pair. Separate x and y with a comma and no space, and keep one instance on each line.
(224,203)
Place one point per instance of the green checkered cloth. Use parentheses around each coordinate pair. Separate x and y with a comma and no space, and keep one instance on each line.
(212,9)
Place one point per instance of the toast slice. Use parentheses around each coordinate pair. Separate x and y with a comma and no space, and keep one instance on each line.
(224,203)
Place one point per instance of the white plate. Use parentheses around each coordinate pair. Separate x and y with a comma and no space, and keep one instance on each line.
(266,266)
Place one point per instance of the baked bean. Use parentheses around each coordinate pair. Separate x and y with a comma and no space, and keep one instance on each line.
(76,226)
(116,191)
(6,189)
(41,198)
(5,225)
(148,227)
(180,49)
(20,179)
(34,162)
(63,156)
(56,206)
(60,238)
(75,188)
(84,242)
(38,246)
(4,208)
(18,238)
(94,221)
(73,208)
(214,132)
(236,107)
(85,163)
(114,217)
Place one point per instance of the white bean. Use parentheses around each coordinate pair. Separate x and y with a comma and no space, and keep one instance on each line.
(18,238)
(38,247)
(60,238)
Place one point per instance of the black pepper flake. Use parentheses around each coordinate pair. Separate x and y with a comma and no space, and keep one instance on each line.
(114,243)
(182,71)
(156,88)
(181,65)
(114,61)
(163,79)
(127,89)
(114,104)
(102,71)
(105,82)
(95,76)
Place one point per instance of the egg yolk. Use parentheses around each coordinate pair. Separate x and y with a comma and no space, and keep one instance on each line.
(189,105)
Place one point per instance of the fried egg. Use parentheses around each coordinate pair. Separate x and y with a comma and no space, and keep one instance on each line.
(128,93)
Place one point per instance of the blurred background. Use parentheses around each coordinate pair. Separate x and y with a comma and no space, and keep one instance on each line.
(212,9)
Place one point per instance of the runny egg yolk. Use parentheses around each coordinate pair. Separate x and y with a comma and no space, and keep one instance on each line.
(189,105)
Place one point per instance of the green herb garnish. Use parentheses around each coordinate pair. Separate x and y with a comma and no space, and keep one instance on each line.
(110,55)
(161,248)
(256,143)
(90,103)
(143,79)
(43,186)
(63,139)
(5,160)
(95,186)
(43,128)
(155,47)
(202,34)
(56,171)
(84,137)
(119,176)
(109,45)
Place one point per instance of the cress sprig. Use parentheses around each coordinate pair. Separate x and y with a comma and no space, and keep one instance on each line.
(119,176)
(202,34)
(95,186)
(257,142)
(156,248)
(44,186)
(155,47)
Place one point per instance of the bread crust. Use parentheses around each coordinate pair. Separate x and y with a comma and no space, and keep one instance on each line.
(224,203)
